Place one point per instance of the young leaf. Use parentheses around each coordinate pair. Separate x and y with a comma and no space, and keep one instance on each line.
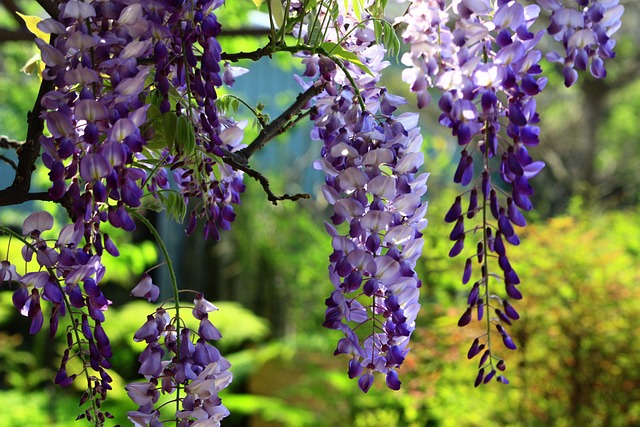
(337,51)
(32,26)
(176,207)
(277,12)
(169,126)
(185,135)
(34,64)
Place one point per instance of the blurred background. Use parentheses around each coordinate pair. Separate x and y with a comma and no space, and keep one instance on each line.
(578,357)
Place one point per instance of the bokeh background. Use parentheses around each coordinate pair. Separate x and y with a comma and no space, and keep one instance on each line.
(578,361)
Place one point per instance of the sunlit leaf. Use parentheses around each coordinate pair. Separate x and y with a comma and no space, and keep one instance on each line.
(32,26)
(185,135)
(277,12)
(34,65)
(176,206)
(337,51)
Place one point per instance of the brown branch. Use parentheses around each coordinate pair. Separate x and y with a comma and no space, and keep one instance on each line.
(263,181)
(281,123)
(9,144)
(17,198)
(28,153)
(15,35)
(267,50)
(239,159)
(253,55)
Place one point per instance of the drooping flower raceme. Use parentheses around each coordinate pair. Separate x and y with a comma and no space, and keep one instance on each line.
(109,103)
(178,359)
(371,159)
(68,280)
(484,59)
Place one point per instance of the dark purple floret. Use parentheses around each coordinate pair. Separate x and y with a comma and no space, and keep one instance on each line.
(479,377)
(465,318)
(474,349)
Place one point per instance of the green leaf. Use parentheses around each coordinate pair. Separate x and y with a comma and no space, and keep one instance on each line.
(358,7)
(153,113)
(378,7)
(277,12)
(386,35)
(176,206)
(170,126)
(228,104)
(337,51)
(185,135)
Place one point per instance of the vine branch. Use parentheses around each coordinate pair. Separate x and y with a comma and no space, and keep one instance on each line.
(9,144)
(281,123)
(231,161)
(28,152)
(239,160)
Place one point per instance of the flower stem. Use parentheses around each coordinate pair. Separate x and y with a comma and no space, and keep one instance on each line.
(174,284)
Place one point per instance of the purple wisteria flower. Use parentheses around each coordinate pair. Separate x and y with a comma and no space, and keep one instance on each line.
(586,34)
(371,159)
(146,289)
(484,59)
(98,112)
(67,283)
(177,358)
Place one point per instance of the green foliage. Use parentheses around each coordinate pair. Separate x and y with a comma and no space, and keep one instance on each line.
(580,341)
(17,89)
(268,408)
(577,339)
(43,408)
(281,268)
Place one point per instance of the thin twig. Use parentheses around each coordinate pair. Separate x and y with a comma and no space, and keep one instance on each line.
(280,123)
(9,161)
(9,144)
(264,182)
(253,55)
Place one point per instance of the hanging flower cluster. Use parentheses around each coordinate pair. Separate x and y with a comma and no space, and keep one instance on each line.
(107,108)
(99,113)
(177,358)
(484,59)
(68,279)
(371,159)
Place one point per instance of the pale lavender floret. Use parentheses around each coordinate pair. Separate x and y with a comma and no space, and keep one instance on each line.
(199,366)
(144,419)
(8,272)
(36,223)
(202,307)
(231,72)
(146,289)
(144,393)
